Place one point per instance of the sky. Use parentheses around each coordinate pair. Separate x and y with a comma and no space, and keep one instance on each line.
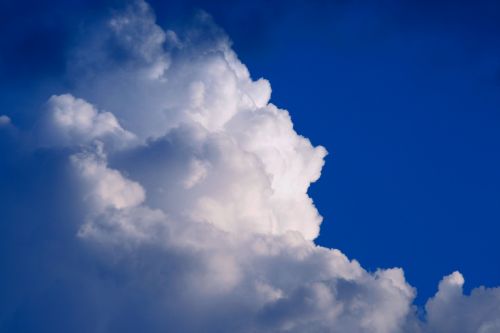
(408,108)
(249,167)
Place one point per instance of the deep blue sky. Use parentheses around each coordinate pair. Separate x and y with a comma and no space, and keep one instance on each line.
(406,98)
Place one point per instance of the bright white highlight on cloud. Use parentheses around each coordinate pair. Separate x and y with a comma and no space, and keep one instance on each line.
(223,155)
(192,192)
(73,121)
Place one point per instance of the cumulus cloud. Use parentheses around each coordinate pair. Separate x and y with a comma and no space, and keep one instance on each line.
(107,187)
(184,206)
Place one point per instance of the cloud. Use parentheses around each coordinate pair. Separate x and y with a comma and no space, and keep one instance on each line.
(4,120)
(71,121)
(452,311)
(107,187)
(184,206)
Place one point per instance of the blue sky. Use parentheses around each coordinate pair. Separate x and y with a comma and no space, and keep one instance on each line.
(404,96)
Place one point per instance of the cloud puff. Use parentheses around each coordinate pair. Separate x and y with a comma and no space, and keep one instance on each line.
(191,213)
(107,187)
(4,120)
(72,121)
(452,311)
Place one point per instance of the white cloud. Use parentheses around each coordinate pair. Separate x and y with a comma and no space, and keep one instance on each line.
(452,311)
(221,177)
(4,120)
(202,81)
(107,187)
(71,121)
(197,217)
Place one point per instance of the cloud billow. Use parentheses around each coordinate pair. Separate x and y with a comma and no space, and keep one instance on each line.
(178,202)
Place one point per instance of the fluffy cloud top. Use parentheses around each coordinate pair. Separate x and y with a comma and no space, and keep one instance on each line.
(452,311)
(183,206)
